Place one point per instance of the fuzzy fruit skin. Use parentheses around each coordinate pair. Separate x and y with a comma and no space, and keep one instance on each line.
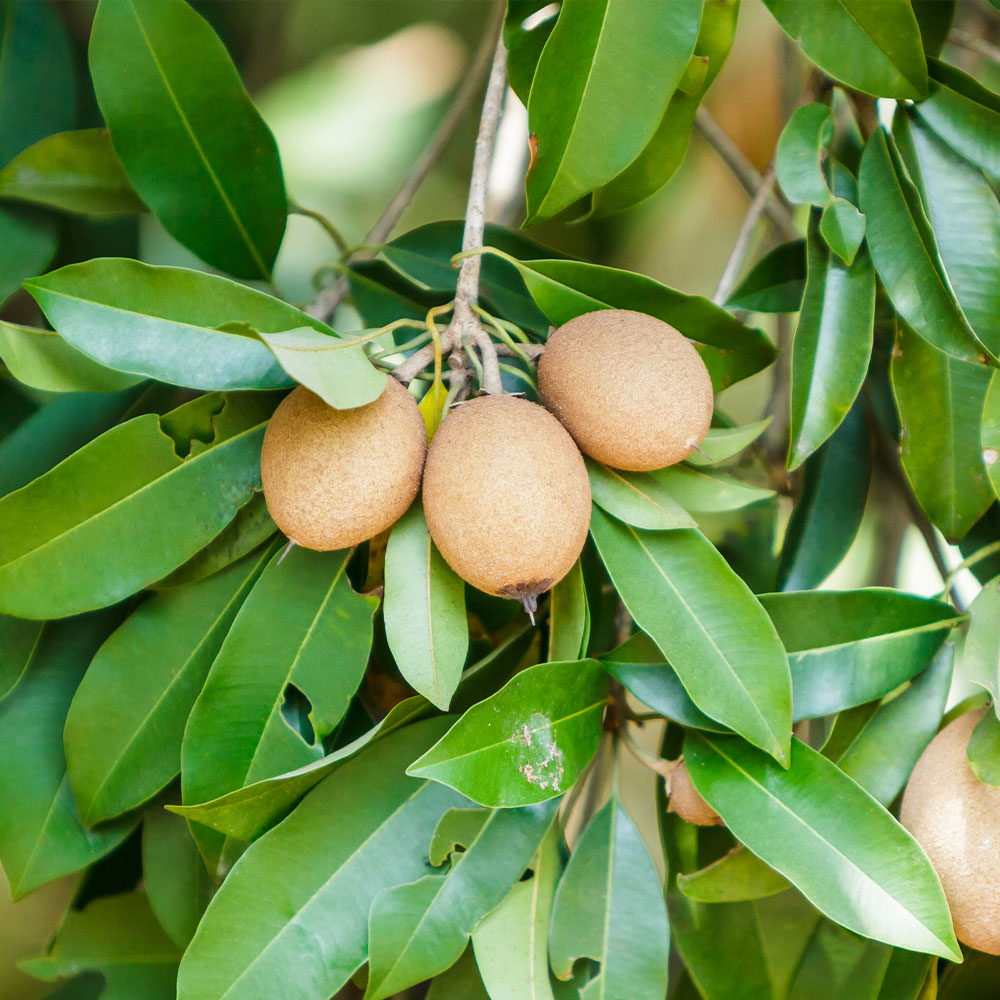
(333,478)
(686,801)
(506,496)
(631,390)
(955,818)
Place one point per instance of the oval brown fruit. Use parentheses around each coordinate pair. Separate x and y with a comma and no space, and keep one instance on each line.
(506,496)
(631,390)
(333,478)
(955,818)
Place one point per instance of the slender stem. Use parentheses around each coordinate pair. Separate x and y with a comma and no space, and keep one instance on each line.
(974,43)
(732,268)
(363,338)
(329,228)
(977,557)
(664,768)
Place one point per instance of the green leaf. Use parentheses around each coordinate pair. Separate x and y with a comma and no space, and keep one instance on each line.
(43,837)
(708,492)
(665,151)
(984,749)
(830,506)
(253,809)
(238,731)
(832,345)
(119,937)
(28,242)
(964,113)
(735,877)
(980,661)
(125,725)
(173,874)
(940,403)
(905,253)
(524,44)
(990,434)
(180,326)
(419,929)
(834,842)
(636,498)
(723,443)
(842,226)
(424,611)
(528,742)
(609,907)
(59,559)
(461,980)
(569,617)
(602,56)
(876,49)
(564,289)
(71,171)
(707,623)
(776,283)
(801,148)
(43,360)
(170,94)
(511,943)
(301,894)
(19,645)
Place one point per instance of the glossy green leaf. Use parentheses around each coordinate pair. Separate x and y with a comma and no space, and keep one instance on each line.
(20,641)
(905,253)
(125,726)
(424,610)
(43,360)
(665,151)
(528,742)
(600,57)
(776,283)
(724,443)
(564,289)
(735,877)
(170,93)
(139,511)
(830,506)
(801,148)
(609,907)
(238,732)
(834,842)
(569,617)
(984,749)
(28,242)
(874,48)
(304,926)
(636,498)
(940,403)
(180,326)
(43,837)
(708,492)
(707,623)
(526,30)
(832,345)
(173,874)
(842,226)
(119,937)
(980,660)
(71,171)
(419,929)
(512,942)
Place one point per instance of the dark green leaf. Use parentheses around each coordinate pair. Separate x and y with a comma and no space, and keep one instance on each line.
(569,617)
(984,749)
(834,842)
(528,742)
(382,295)
(71,171)
(524,44)
(776,283)
(935,18)
(301,894)
(723,443)
(636,498)
(20,641)
(843,228)
(801,148)
(171,95)
(707,623)
(125,726)
(600,57)
(874,48)
(28,241)
(940,404)
(461,980)
(832,345)
(975,979)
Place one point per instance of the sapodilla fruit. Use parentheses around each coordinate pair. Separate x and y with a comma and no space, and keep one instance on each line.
(955,818)
(333,478)
(506,497)
(686,800)
(631,390)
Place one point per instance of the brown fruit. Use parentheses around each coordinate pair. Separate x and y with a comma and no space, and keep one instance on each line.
(333,478)
(955,818)
(506,496)
(631,390)
(686,801)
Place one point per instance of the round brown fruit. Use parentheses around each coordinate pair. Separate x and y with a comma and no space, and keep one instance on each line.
(686,800)
(333,478)
(955,818)
(506,497)
(631,390)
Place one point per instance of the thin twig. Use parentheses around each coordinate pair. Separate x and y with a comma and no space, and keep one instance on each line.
(974,43)
(328,227)
(744,171)
(327,301)
(732,268)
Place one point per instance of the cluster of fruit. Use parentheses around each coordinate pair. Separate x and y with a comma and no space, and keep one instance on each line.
(505,490)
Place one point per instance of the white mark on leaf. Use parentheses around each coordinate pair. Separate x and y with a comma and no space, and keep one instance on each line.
(543,765)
